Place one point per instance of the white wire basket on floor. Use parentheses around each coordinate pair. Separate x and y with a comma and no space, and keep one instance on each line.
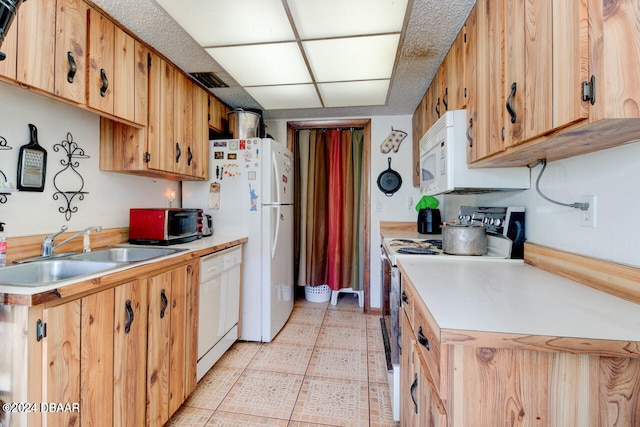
(321,293)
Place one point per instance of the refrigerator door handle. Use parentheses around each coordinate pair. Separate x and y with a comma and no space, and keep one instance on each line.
(276,232)
(276,174)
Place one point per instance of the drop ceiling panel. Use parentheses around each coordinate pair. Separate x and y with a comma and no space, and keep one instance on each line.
(285,97)
(333,18)
(346,94)
(224,22)
(264,64)
(355,58)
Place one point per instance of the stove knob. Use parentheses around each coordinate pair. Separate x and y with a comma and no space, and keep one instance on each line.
(499,222)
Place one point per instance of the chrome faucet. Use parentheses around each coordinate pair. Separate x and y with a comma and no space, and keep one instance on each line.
(47,242)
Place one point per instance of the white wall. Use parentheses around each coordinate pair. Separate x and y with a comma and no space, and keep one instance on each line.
(398,207)
(613,176)
(110,194)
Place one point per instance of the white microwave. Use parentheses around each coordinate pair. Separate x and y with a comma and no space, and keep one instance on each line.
(443,162)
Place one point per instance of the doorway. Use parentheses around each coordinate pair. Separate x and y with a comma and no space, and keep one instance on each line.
(365,125)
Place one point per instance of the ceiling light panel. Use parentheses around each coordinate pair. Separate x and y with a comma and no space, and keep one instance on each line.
(264,64)
(355,58)
(224,22)
(335,18)
(285,97)
(349,94)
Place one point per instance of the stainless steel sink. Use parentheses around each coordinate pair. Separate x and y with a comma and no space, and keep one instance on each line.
(126,254)
(46,272)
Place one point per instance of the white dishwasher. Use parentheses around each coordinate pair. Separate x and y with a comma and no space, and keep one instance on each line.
(219,306)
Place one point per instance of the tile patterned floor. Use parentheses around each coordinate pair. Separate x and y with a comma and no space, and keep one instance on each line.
(325,368)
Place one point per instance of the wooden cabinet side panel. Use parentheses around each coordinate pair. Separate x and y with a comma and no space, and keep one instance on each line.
(130,350)
(61,362)
(619,392)
(191,333)
(36,44)
(101,48)
(71,38)
(96,361)
(124,75)
(177,348)
(498,387)
(10,48)
(158,335)
(621,56)
(122,147)
(408,412)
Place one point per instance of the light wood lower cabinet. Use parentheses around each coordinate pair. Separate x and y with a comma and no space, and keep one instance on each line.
(496,380)
(124,356)
(171,342)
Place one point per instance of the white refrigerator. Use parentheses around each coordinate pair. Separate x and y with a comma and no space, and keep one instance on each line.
(250,192)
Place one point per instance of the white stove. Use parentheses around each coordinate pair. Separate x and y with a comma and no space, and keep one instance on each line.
(505,243)
(498,247)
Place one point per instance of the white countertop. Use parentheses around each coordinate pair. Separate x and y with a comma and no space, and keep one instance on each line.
(196,245)
(509,296)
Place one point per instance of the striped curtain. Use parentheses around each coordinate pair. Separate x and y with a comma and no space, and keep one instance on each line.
(329,215)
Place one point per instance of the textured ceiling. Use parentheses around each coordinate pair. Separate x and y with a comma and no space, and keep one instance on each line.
(431,29)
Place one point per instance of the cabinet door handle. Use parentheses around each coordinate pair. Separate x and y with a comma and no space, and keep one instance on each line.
(105,83)
(413,392)
(165,303)
(444,99)
(189,156)
(405,298)
(438,108)
(129,312)
(469,128)
(178,152)
(422,340)
(73,67)
(510,109)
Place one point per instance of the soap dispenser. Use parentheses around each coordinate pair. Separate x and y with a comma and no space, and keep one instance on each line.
(3,246)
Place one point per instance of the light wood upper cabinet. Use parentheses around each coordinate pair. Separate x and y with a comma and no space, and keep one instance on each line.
(10,48)
(101,64)
(486,132)
(200,150)
(545,64)
(417,132)
(117,71)
(217,115)
(51,53)
(71,50)
(454,89)
(183,123)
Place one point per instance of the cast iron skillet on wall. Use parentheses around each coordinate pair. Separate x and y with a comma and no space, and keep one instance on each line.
(389,181)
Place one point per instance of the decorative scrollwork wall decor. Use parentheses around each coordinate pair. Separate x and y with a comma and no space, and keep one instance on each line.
(70,164)
(4,191)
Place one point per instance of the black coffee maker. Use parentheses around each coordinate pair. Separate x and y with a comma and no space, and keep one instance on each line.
(429,221)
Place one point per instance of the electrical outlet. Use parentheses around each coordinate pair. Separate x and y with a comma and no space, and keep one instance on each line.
(588,217)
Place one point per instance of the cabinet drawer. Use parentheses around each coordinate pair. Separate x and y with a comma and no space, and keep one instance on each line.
(428,344)
(408,296)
